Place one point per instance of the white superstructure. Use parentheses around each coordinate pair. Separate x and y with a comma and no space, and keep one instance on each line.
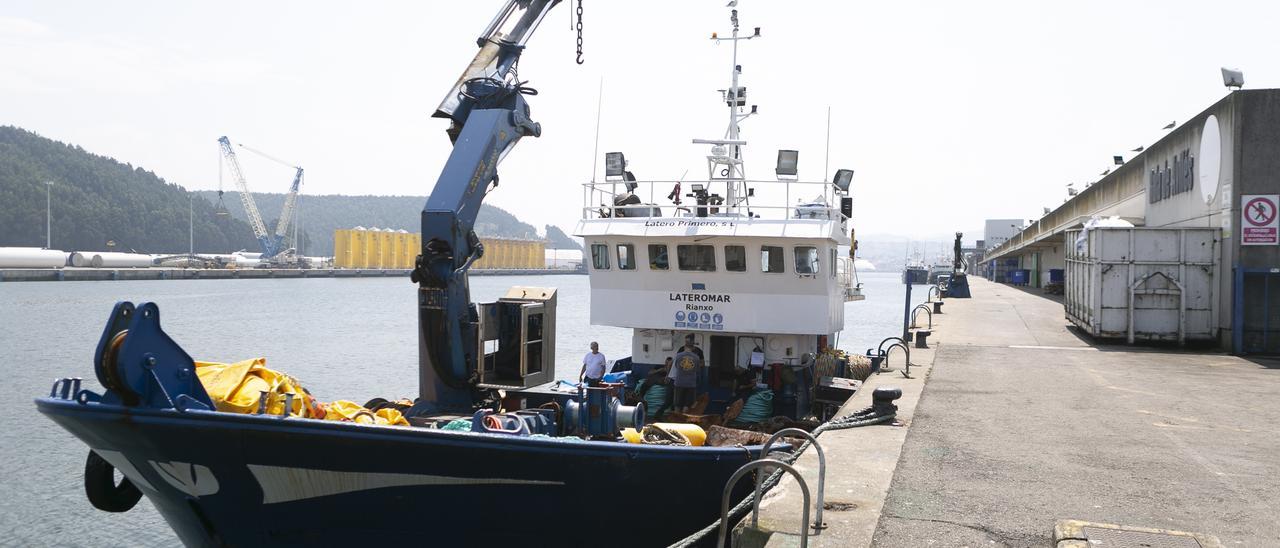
(748,266)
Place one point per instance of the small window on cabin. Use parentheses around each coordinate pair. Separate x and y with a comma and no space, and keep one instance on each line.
(600,256)
(771,259)
(626,257)
(658,257)
(735,258)
(834,262)
(700,258)
(806,259)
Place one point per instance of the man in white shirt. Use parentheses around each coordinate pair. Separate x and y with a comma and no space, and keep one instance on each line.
(592,366)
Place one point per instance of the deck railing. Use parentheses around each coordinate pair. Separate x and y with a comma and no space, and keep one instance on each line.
(757,199)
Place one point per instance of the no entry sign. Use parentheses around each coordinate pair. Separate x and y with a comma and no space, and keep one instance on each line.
(1259,223)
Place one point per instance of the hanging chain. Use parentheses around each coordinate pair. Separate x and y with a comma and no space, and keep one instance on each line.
(579,27)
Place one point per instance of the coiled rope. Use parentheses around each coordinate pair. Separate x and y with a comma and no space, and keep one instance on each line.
(866,417)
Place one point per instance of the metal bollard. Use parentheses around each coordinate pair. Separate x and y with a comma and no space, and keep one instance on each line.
(922,337)
(937,307)
(728,488)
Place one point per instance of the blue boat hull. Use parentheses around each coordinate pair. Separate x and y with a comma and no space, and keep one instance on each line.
(251,480)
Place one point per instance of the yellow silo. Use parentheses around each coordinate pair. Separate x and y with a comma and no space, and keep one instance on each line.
(502,255)
(347,246)
(371,247)
(339,247)
(352,248)
(401,247)
(415,247)
(384,248)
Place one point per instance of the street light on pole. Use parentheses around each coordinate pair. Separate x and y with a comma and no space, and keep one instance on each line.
(191,224)
(48,218)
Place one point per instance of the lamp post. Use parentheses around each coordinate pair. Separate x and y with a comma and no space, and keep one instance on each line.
(48,219)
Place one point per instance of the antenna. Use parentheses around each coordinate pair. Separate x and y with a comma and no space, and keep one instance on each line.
(595,152)
(826,155)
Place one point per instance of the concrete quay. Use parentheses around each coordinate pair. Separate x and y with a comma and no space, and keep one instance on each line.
(1014,425)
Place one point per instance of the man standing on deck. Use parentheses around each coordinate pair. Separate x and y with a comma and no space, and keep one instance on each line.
(592,366)
(686,367)
(690,341)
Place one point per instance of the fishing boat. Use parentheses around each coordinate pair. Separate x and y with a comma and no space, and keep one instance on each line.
(755,271)
(760,287)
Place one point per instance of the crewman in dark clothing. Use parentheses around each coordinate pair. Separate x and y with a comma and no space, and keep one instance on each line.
(689,342)
(686,366)
(703,379)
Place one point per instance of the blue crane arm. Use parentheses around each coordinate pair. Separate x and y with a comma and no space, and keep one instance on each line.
(290,202)
(269,244)
(488,116)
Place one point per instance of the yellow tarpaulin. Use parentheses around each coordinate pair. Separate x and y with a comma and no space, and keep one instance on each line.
(238,388)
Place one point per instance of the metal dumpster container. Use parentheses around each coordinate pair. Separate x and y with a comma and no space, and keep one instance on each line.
(1143,284)
(1001,268)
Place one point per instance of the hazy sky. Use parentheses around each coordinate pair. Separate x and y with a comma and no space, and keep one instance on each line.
(951,112)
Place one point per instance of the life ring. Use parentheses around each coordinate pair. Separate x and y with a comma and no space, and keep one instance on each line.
(101,488)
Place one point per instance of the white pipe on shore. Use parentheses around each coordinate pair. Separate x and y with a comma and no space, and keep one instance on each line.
(32,257)
(113,259)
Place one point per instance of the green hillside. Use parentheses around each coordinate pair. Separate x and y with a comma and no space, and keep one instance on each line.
(557,239)
(96,200)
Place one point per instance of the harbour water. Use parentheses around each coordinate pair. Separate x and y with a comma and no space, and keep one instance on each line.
(349,339)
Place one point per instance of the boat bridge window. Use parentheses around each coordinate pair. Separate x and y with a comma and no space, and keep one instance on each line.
(600,256)
(735,258)
(658,257)
(806,259)
(701,258)
(626,257)
(833,263)
(771,259)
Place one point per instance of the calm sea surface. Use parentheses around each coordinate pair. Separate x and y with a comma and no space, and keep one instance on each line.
(349,339)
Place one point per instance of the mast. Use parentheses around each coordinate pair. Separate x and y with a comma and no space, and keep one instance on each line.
(734,130)
(725,162)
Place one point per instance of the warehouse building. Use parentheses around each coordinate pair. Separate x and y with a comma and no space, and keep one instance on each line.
(1219,170)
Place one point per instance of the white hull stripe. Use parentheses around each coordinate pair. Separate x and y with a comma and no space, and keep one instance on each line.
(121,462)
(286,484)
(193,479)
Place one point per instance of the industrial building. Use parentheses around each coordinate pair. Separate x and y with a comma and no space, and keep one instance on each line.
(384,248)
(1220,171)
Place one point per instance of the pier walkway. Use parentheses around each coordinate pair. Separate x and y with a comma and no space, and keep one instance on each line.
(1022,423)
